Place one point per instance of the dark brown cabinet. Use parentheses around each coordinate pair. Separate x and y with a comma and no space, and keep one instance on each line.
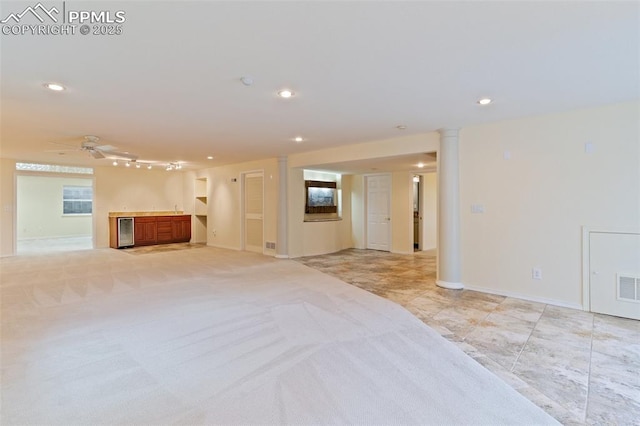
(145,231)
(165,234)
(181,229)
(150,230)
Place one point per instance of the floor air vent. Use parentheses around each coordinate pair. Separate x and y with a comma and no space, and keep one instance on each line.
(629,288)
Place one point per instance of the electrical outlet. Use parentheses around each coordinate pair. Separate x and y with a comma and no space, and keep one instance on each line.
(536,273)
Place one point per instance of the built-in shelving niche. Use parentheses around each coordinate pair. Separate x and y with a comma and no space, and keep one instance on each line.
(200,211)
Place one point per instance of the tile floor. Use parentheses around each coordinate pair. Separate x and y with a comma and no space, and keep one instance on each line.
(580,367)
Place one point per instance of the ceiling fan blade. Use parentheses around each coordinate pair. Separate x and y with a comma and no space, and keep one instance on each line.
(116,154)
(96,154)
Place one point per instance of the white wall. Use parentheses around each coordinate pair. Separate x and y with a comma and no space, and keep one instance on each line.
(225,203)
(429,201)
(353,224)
(537,201)
(426,142)
(39,208)
(313,238)
(126,189)
(7,206)
(116,189)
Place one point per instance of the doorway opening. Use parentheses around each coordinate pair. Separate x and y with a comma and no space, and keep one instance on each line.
(417,214)
(53,213)
(252,211)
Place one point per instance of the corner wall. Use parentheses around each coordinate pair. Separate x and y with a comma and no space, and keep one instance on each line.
(40,208)
(7,206)
(536,201)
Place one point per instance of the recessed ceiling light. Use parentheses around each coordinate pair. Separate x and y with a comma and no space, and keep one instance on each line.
(420,165)
(298,139)
(285,93)
(484,101)
(55,87)
(210,157)
(115,163)
(401,127)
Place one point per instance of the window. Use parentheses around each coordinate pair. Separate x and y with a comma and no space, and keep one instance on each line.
(321,197)
(53,168)
(77,199)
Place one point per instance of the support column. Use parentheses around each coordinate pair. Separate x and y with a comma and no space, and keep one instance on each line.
(282,250)
(449,271)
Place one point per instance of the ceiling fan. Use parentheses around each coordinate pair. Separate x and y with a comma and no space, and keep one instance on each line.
(90,146)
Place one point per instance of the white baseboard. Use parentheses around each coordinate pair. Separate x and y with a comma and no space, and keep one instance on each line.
(220,246)
(524,297)
(281,256)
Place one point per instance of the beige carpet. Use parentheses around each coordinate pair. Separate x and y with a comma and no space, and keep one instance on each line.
(219,337)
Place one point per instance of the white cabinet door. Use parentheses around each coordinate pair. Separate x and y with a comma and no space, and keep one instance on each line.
(379,212)
(614,281)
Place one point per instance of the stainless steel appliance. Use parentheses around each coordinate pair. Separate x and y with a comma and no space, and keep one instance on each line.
(125,232)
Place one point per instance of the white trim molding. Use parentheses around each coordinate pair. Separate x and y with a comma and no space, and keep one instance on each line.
(449,285)
(525,297)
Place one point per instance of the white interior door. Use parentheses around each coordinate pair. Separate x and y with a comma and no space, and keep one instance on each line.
(379,212)
(614,282)
(253,206)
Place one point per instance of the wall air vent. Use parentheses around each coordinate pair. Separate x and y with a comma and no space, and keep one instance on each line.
(628,288)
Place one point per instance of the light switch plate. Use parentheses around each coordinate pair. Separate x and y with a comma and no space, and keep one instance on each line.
(536,273)
(589,148)
(477,208)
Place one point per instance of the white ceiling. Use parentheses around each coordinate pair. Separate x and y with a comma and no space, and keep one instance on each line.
(169,87)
